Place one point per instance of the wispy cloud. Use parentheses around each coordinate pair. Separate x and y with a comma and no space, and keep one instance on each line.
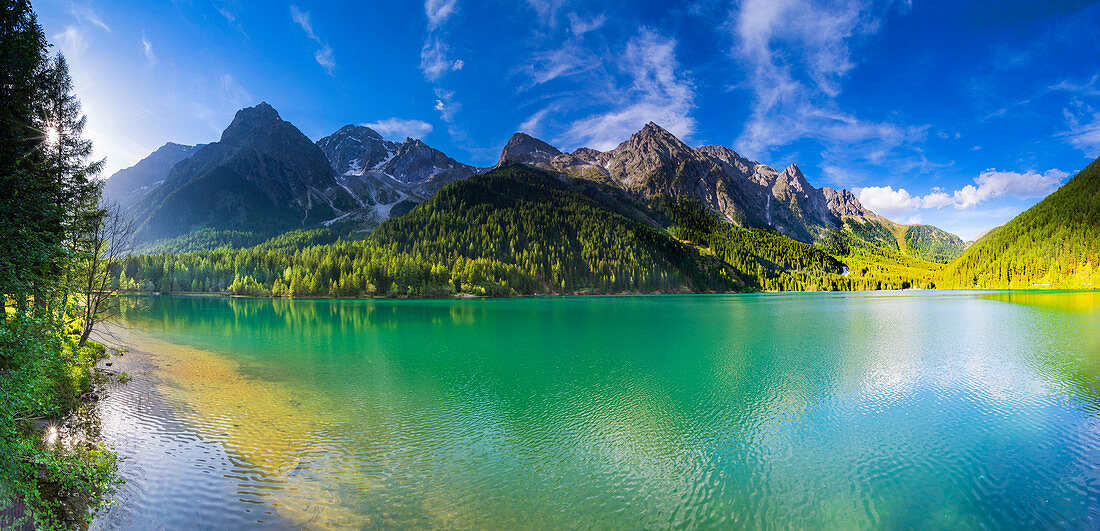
(84,12)
(434,60)
(436,63)
(446,105)
(547,10)
(323,55)
(654,90)
(71,41)
(438,11)
(1082,117)
(580,25)
(566,61)
(399,129)
(796,54)
(231,18)
(147,47)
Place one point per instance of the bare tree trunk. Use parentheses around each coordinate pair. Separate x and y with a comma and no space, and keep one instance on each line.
(110,243)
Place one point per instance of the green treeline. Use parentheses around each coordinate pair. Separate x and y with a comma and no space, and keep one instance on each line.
(520,231)
(512,232)
(1055,244)
(51,247)
(932,244)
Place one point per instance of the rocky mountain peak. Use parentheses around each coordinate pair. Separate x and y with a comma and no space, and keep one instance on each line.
(653,142)
(414,161)
(526,149)
(843,203)
(249,121)
(655,133)
(795,180)
(353,149)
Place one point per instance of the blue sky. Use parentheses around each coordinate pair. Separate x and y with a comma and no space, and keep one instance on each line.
(958,114)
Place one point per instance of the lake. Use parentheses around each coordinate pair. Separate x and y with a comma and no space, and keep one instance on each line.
(908,409)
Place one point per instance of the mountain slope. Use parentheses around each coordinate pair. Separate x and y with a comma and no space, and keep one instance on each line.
(263,176)
(932,244)
(1055,243)
(579,235)
(566,238)
(380,173)
(127,186)
(655,165)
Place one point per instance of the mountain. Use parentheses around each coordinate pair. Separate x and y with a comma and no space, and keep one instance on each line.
(568,235)
(517,230)
(381,173)
(932,244)
(1054,244)
(127,186)
(653,164)
(262,176)
(353,149)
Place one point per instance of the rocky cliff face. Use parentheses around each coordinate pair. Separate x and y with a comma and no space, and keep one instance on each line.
(354,149)
(525,149)
(653,164)
(380,173)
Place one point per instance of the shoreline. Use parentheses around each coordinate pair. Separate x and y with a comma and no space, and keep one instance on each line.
(466,296)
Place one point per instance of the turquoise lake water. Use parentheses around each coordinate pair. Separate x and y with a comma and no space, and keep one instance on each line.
(898,410)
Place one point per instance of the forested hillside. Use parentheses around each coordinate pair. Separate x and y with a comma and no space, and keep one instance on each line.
(932,244)
(519,230)
(1054,244)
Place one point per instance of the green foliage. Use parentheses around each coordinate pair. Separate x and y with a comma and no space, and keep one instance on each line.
(929,243)
(876,267)
(767,261)
(49,203)
(42,376)
(570,235)
(518,230)
(1055,244)
(514,231)
(204,239)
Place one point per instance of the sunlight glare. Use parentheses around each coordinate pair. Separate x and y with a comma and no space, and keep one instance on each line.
(52,136)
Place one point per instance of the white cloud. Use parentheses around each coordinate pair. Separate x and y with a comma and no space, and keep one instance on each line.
(445,104)
(656,92)
(579,25)
(71,41)
(886,201)
(796,53)
(147,47)
(433,59)
(547,10)
(85,13)
(1084,132)
(325,59)
(302,19)
(568,60)
(532,124)
(323,55)
(438,11)
(457,65)
(937,199)
(992,184)
(399,129)
(1082,119)
(229,16)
